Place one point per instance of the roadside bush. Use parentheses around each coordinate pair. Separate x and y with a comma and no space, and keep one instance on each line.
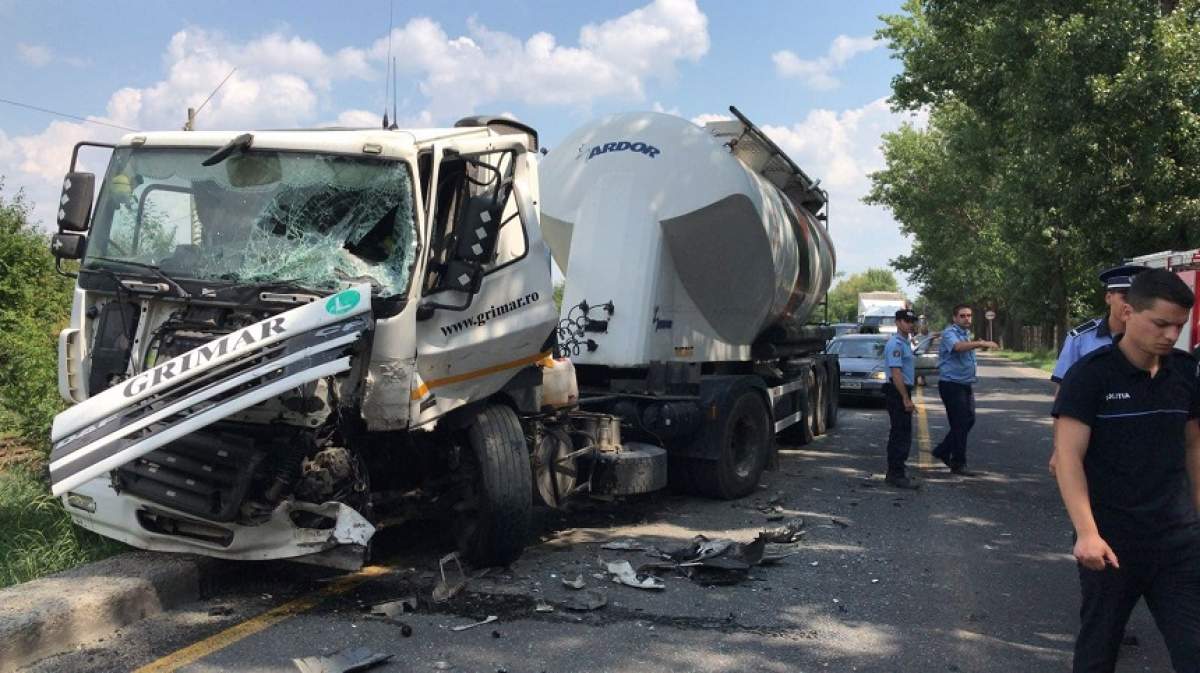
(35,303)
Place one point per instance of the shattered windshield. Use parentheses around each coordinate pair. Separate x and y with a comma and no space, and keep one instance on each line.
(317,221)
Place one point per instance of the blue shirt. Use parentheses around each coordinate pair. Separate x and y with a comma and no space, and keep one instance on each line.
(955,366)
(898,353)
(1079,342)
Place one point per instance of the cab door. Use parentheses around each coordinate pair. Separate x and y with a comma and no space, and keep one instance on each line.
(487,309)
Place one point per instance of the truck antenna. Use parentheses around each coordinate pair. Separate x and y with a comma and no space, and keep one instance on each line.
(190,124)
(390,62)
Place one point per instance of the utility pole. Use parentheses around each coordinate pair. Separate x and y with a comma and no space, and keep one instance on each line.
(190,124)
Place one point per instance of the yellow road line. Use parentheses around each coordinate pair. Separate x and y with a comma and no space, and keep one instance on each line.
(923,455)
(271,617)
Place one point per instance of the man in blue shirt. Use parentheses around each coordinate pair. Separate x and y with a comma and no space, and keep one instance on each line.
(901,367)
(956,375)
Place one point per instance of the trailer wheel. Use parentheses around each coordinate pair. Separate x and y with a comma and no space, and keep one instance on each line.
(832,395)
(492,527)
(745,440)
(821,403)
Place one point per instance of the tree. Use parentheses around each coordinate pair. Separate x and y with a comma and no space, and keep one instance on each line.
(1063,137)
(843,298)
(34,304)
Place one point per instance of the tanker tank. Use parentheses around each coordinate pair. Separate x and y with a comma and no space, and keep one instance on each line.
(706,239)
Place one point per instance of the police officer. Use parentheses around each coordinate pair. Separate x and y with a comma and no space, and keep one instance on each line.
(956,376)
(901,366)
(1128,446)
(1097,332)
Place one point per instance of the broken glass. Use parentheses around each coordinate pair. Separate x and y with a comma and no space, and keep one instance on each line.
(316,221)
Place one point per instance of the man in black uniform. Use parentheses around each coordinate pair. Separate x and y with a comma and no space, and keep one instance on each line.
(1128,444)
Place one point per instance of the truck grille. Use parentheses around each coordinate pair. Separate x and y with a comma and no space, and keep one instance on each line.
(206,474)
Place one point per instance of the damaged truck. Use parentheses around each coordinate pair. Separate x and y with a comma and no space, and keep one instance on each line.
(282,341)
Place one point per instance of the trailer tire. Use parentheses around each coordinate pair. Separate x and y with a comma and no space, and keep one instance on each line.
(745,438)
(494,532)
(832,394)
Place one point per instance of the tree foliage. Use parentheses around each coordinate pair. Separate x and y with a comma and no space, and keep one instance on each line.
(1063,136)
(843,298)
(34,305)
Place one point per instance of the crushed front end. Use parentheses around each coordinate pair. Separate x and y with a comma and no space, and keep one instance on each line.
(233,444)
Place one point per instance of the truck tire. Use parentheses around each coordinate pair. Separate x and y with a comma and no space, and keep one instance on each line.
(821,406)
(493,532)
(745,438)
(832,394)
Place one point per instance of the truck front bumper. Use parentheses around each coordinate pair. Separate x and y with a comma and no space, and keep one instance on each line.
(94,505)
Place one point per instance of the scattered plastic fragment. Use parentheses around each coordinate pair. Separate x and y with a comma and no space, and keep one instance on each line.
(722,561)
(623,545)
(442,665)
(788,533)
(464,627)
(585,601)
(220,611)
(576,583)
(346,661)
(445,589)
(395,608)
(543,606)
(839,523)
(623,573)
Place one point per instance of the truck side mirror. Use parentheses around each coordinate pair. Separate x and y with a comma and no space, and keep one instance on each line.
(75,206)
(68,246)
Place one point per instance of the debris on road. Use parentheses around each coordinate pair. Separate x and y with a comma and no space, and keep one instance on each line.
(723,561)
(464,627)
(576,583)
(392,609)
(585,601)
(445,589)
(346,661)
(623,573)
(788,533)
(623,545)
(543,606)
(220,611)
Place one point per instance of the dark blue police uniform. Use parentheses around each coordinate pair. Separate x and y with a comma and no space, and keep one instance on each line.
(1141,498)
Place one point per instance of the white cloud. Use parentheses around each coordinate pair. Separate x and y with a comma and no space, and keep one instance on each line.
(358,119)
(702,119)
(613,59)
(841,148)
(36,55)
(818,73)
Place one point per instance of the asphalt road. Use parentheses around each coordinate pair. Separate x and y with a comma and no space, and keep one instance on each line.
(966,574)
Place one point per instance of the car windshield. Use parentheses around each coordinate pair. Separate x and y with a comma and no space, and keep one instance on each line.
(857,348)
(317,221)
(879,320)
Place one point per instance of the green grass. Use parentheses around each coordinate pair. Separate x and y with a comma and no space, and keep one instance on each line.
(36,535)
(1040,359)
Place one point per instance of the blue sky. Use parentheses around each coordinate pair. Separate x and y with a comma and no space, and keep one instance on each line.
(808,72)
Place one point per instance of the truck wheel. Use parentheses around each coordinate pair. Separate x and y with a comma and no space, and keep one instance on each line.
(832,394)
(745,440)
(821,406)
(492,528)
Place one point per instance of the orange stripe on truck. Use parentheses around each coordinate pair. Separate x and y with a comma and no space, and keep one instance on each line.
(425,387)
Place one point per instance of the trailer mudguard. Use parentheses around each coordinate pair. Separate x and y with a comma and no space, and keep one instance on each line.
(206,384)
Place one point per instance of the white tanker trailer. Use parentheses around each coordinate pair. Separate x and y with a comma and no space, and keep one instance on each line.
(281,341)
(694,258)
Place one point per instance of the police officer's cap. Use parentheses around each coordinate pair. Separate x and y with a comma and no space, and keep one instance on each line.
(906,314)
(1119,278)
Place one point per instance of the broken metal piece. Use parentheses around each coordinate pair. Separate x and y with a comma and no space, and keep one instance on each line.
(346,661)
(392,609)
(623,573)
(464,627)
(445,590)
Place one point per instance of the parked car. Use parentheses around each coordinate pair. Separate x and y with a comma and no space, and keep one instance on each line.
(860,357)
(926,356)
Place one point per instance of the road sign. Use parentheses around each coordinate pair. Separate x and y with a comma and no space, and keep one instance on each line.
(990,315)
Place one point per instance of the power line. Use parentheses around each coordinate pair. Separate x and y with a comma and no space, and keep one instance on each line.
(64,114)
